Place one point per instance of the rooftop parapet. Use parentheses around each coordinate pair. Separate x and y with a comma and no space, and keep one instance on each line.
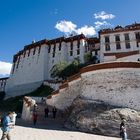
(135,26)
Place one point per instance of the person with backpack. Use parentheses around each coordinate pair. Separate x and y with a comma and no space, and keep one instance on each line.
(6,126)
(123,132)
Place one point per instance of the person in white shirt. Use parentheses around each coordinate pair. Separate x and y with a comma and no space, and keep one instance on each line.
(13,118)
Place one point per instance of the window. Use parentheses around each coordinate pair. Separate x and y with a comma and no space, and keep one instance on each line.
(53,54)
(117,38)
(107,39)
(127,45)
(137,35)
(60,46)
(24,54)
(29,53)
(78,47)
(34,51)
(39,49)
(78,44)
(126,37)
(118,46)
(137,44)
(71,53)
(86,49)
(71,48)
(78,52)
(49,48)
(71,44)
(54,47)
(107,47)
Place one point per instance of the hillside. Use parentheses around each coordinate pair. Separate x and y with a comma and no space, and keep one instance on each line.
(15,103)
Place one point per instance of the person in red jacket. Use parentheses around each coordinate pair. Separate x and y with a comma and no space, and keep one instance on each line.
(35,117)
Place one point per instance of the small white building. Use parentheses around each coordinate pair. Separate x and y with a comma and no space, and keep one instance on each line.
(119,42)
(32,65)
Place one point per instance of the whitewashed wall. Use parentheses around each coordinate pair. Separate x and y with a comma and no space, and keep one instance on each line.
(29,75)
(66,96)
(118,87)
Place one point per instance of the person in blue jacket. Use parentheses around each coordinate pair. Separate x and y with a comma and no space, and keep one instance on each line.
(6,126)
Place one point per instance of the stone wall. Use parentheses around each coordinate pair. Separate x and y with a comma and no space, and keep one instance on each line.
(118,87)
(116,83)
(27,111)
(65,96)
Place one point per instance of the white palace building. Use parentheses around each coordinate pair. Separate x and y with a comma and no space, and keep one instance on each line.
(31,66)
(120,42)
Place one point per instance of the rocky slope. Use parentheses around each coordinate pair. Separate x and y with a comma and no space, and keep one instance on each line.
(100,118)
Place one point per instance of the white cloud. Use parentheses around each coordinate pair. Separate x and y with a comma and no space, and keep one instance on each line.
(5,68)
(103,15)
(87,31)
(66,26)
(99,24)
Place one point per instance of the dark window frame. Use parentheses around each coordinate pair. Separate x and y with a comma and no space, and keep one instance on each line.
(127,45)
(60,46)
(118,46)
(107,39)
(107,47)
(71,53)
(127,37)
(78,52)
(117,38)
(137,35)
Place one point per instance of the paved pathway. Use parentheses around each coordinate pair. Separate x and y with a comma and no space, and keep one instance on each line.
(50,131)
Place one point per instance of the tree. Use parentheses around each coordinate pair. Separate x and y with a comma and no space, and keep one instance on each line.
(71,69)
(57,69)
(87,57)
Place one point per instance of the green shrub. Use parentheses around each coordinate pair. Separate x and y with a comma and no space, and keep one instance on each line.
(15,103)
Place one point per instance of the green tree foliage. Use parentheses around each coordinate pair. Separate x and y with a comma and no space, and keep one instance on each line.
(62,70)
(71,69)
(57,69)
(88,57)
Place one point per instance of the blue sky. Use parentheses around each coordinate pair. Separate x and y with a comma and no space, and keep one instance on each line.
(22,21)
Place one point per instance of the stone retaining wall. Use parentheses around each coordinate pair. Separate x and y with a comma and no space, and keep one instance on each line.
(116,83)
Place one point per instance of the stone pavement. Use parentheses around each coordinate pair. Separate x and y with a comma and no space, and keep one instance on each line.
(50,130)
